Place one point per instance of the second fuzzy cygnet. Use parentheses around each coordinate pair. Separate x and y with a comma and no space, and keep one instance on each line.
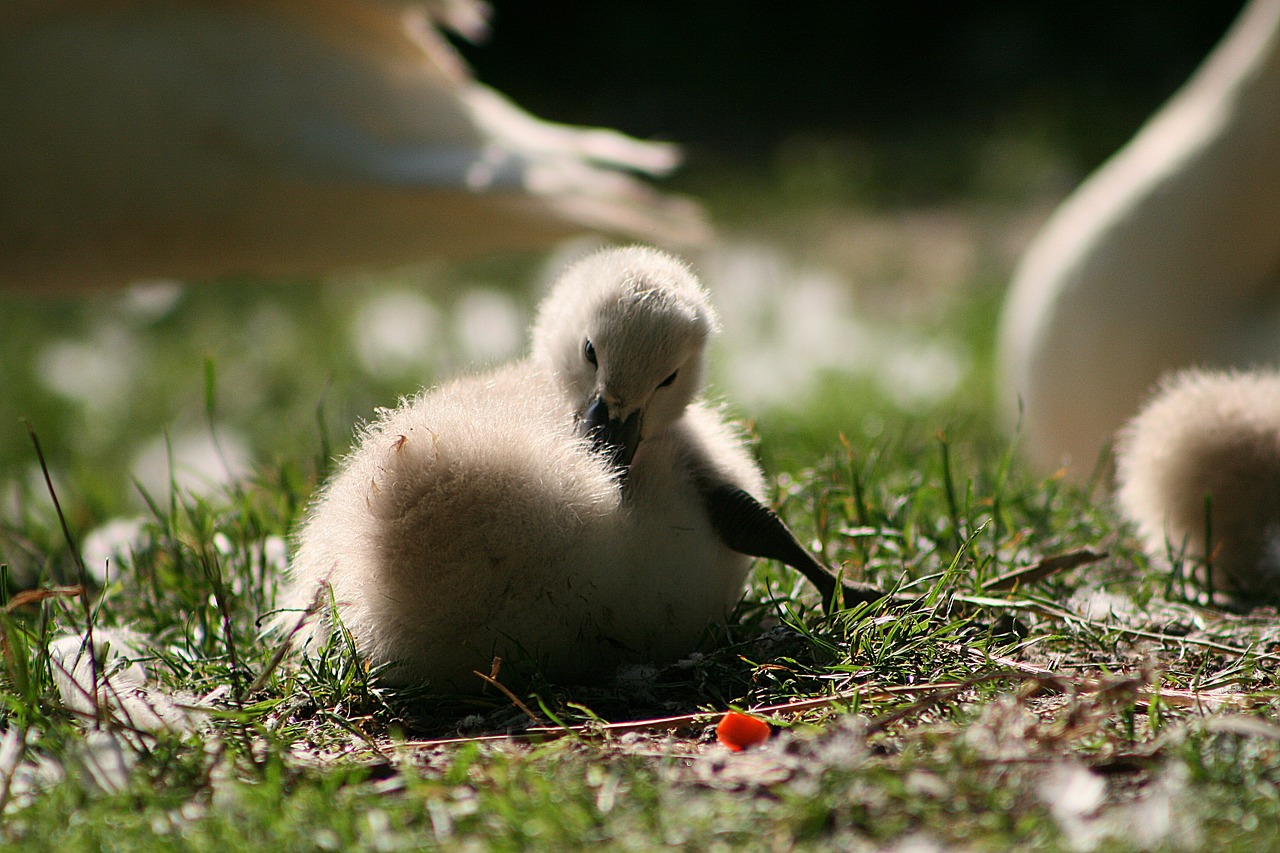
(1199,475)
(580,507)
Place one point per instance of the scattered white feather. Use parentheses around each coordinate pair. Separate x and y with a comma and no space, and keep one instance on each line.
(105,760)
(1072,791)
(1158,818)
(112,686)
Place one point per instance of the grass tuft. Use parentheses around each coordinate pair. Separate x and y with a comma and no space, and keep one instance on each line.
(1032,683)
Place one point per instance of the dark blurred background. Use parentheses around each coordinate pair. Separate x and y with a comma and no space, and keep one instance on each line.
(917,86)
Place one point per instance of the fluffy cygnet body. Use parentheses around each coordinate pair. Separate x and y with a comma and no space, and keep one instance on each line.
(1199,475)
(573,506)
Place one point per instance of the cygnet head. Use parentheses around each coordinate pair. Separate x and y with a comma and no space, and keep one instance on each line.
(625,332)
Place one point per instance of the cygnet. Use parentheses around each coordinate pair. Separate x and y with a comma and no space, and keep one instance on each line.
(1199,476)
(581,508)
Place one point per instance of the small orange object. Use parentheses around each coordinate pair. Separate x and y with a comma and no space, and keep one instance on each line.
(739,731)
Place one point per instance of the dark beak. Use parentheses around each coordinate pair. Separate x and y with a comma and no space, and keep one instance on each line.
(614,437)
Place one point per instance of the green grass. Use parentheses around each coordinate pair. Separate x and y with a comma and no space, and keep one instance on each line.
(1097,706)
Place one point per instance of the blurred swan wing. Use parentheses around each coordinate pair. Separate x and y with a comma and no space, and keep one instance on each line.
(284,137)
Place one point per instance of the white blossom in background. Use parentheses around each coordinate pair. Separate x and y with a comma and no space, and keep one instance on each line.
(96,372)
(785,326)
(915,372)
(146,302)
(270,554)
(107,549)
(489,326)
(275,552)
(201,465)
(397,333)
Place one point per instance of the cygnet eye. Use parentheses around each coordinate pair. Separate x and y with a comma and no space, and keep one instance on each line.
(672,378)
(589,352)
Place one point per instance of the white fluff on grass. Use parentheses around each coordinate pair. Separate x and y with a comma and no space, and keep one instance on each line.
(1077,799)
(1199,476)
(22,778)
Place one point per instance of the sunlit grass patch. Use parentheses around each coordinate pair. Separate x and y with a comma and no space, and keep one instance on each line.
(973,715)
(1015,692)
